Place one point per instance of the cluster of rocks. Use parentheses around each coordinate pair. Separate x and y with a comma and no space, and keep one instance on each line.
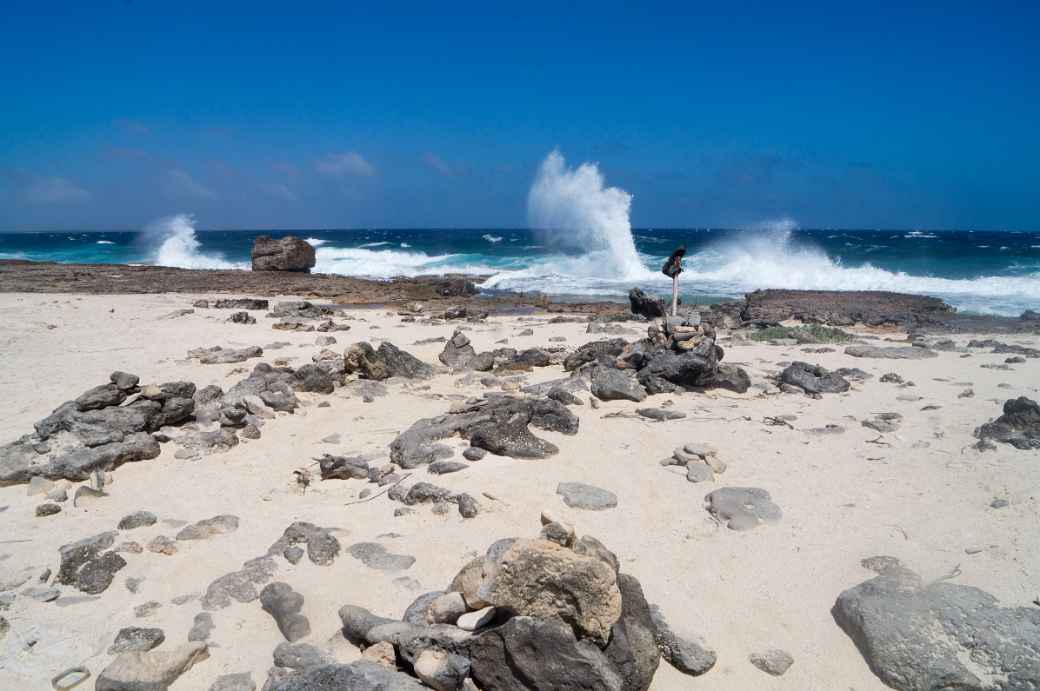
(553,612)
(384,362)
(99,430)
(999,347)
(1019,426)
(681,356)
(300,315)
(801,377)
(700,460)
(458,353)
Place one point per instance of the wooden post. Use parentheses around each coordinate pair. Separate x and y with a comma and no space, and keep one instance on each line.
(675,295)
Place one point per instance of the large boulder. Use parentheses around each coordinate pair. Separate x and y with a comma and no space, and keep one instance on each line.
(458,352)
(940,635)
(1018,426)
(153,670)
(284,254)
(539,578)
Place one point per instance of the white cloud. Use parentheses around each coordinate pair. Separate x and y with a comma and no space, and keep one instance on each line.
(439,164)
(349,163)
(55,190)
(178,184)
(280,191)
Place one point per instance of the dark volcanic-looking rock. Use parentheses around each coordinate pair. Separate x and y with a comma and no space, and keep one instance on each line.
(289,253)
(388,361)
(897,353)
(729,377)
(284,604)
(1018,426)
(458,352)
(642,304)
(843,308)
(499,425)
(241,304)
(596,351)
(926,637)
(87,565)
(688,655)
(322,546)
(813,378)
(362,675)
(610,384)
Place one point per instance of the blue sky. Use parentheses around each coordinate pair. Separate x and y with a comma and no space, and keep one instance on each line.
(437,114)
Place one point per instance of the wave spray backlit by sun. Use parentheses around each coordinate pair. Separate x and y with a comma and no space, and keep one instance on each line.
(171,241)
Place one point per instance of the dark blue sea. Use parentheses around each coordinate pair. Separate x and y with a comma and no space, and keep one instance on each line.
(980,271)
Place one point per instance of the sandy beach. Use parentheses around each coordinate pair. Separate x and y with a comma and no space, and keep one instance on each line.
(921,493)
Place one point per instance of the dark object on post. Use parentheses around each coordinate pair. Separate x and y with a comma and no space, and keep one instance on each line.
(284,254)
(673,265)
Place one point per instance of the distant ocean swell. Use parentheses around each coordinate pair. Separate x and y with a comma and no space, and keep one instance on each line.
(583,245)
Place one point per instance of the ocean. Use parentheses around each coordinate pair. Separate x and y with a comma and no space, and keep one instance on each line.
(994,272)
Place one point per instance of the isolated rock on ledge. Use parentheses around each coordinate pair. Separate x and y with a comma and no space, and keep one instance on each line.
(285,254)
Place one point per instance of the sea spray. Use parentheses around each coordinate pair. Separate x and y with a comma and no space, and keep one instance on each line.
(171,241)
(573,211)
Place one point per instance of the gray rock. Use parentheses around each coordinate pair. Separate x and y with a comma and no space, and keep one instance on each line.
(468,507)
(883,422)
(443,467)
(660,414)
(47,509)
(299,656)
(205,529)
(579,495)
(474,621)
(153,670)
(688,654)
(609,384)
(218,355)
(388,361)
(898,353)
(632,649)
(136,639)
(87,566)
(446,608)
(375,556)
(42,593)
(1019,426)
(773,661)
(362,675)
(124,381)
(242,681)
(417,612)
(201,627)
(742,508)
(458,352)
(813,378)
(940,635)
(146,609)
(595,351)
(322,546)
(138,519)
(699,472)
(241,318)
(473,453)
(642,304)
(240,585)
(284,604)
(440,670)
(343,467)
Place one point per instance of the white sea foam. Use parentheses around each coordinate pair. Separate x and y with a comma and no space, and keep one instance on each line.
(374,244)
(171,241)
(105,242)
(493,239)
(573,210)
(315,242)
(358,261)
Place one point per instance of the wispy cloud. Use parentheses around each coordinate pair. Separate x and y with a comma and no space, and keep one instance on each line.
(438,164)
(178,184)
(280,191)
(343,164)
(54,190)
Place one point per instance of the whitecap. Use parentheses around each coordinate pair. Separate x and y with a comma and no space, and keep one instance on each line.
(492,238)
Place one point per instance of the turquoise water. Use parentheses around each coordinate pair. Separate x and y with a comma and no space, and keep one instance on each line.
(983,271)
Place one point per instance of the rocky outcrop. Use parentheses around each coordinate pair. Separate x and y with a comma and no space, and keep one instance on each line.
(500,425)
(1019,426)
(458,352)
(842,308)
(289,253)
(918,636)
(533,614)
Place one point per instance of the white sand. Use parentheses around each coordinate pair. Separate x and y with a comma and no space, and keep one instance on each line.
(924,498)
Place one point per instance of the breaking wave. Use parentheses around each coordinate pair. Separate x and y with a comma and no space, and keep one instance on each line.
(171,241)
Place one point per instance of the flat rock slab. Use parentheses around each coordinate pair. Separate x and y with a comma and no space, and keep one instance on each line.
(375,556)
(742,508)
(897,353)
(941,635)
(660,414)
(578,495)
